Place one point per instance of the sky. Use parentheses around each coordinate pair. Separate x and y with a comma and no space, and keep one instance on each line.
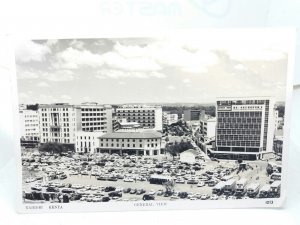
(169,69)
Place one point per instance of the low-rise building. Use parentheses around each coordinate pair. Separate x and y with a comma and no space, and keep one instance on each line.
(87,142)
(138,143)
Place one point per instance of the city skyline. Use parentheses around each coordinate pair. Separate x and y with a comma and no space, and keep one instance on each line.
(147,70)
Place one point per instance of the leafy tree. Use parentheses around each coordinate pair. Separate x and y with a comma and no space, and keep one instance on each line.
(33,107)
(178,147)
(169,186)
(269,169)
(239,161)
(52,147)
(172,150)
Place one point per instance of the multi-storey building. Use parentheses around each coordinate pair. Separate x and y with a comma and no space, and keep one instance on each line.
(245,127)
(278,120)
(59,122)
(169,118)
(96,117)
(192,114)
(29,125)
(138,143)
(147,116)
(87,142)
(207,131)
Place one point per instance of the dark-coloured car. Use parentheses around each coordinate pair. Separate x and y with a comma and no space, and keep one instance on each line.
(52,189)
(168,194)
(115,194)
(112,179)
(127,190)
(182,194)
(109,188)
(148,197)
(105,199)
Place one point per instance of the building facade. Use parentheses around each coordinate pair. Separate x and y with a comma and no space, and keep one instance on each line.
(137,143)
(59,123)
(29,125)
(207,132)
(87,142)
(147,116)
(169,118)
(245,127)
(95,117)
(192,114)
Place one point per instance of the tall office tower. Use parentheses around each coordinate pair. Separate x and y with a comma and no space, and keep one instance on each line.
(58,123)
(245,127)
(147,116)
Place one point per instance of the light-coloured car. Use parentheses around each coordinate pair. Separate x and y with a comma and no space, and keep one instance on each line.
(128,179)
(200,184)
(214,197)
(204,197)
(152,192)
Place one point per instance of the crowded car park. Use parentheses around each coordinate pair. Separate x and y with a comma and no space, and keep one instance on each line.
(111,177)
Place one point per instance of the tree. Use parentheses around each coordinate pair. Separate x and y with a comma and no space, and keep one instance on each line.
(172,150)
(239,161)
(169,186)
(269,169)
(52,147)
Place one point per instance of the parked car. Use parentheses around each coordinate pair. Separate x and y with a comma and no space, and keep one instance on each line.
(214,197)
(127,190)
(52,189)
(36,187)
(133,191)
(105,199)
(204,197)
(148,197)
(115,194)
(140,191)
(109,188)
(200,184)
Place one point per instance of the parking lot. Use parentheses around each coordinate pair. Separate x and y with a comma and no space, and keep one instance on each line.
(101,177)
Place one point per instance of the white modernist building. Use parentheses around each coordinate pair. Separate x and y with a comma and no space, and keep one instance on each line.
(245,127)
(207,131)
(59,123)
(138,143)
(278,120)
(95,117)
(87,142)
(29,125)
(147,116)
(169,118)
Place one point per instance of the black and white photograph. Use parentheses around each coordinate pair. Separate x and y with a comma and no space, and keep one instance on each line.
(155,122)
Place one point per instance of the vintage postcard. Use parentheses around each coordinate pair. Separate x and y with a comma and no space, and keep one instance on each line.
(174,120)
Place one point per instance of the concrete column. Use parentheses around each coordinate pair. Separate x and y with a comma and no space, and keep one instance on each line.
(109,151)
(137,152)
(120,152)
